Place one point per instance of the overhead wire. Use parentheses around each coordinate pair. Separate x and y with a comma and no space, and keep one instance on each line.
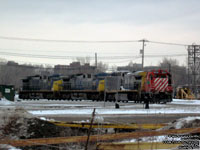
(171,55)
(109,58)
(100,55)
(85,51)
(86,41)
(63,41)
(32,55)
(167,43)
(61,57)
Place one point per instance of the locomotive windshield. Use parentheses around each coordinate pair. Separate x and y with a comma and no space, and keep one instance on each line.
(163,75)
(138,77)
(160,75)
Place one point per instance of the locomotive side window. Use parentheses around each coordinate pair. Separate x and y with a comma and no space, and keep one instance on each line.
(159,75)
(162,76)
(156,75)
(89,76)
(138,77)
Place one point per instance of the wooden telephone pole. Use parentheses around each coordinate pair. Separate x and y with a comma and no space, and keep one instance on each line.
(142,51)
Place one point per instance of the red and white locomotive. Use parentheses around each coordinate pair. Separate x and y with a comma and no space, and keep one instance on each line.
(156,86)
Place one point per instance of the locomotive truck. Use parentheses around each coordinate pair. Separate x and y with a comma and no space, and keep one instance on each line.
(155,86)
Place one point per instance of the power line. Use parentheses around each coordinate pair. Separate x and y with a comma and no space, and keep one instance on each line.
(147,56)
(85,41)
(34,56)
(167,43)
(117,62)
(64,41)
(107,51)
(71,57)
(171,55)
(60,57)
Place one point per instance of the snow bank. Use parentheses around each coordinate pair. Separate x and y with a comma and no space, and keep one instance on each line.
(188,122)
(4,101)
(185,122)
(46,119)
(185,102)
(152,139)
(8,147)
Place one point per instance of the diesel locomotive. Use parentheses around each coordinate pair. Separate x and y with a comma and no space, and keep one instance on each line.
(154,86)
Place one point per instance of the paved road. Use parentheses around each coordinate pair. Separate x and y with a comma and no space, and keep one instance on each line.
(123,119)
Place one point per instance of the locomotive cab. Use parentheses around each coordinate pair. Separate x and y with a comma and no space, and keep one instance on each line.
(159,85)
(161,81)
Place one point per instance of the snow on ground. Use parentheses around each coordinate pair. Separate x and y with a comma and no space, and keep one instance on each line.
(153,139)
(108,111)
(8,147)
(45,107)
(46,119)
(4,101)
(185,102)
(181,122)
(188,122)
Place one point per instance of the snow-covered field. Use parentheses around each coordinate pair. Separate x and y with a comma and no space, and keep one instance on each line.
(113,111)
(185,102)
(45,107)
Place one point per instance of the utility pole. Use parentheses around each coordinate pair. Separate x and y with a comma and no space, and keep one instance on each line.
(96,60)
(194,71)
(142,51)
(194,67)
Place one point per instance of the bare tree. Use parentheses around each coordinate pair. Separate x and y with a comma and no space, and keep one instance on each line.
(113,68)
(83,60)
(130,64)
(13,74)
(169,61)
(102,67)
(179,73)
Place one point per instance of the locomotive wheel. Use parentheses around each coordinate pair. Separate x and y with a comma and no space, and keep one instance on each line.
(66,96)
(101,97)
(49,96)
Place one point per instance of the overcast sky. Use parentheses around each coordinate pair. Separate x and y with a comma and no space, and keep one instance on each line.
(175,21)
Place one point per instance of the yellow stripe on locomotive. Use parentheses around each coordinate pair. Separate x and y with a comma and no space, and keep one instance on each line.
(101,85)
(57,85)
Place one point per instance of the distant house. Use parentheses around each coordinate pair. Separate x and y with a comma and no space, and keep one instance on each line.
(12,63)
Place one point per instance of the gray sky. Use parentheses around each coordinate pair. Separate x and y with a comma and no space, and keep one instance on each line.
(175,21)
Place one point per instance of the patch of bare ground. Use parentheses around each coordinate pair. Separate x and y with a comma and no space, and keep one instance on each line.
(18,124)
